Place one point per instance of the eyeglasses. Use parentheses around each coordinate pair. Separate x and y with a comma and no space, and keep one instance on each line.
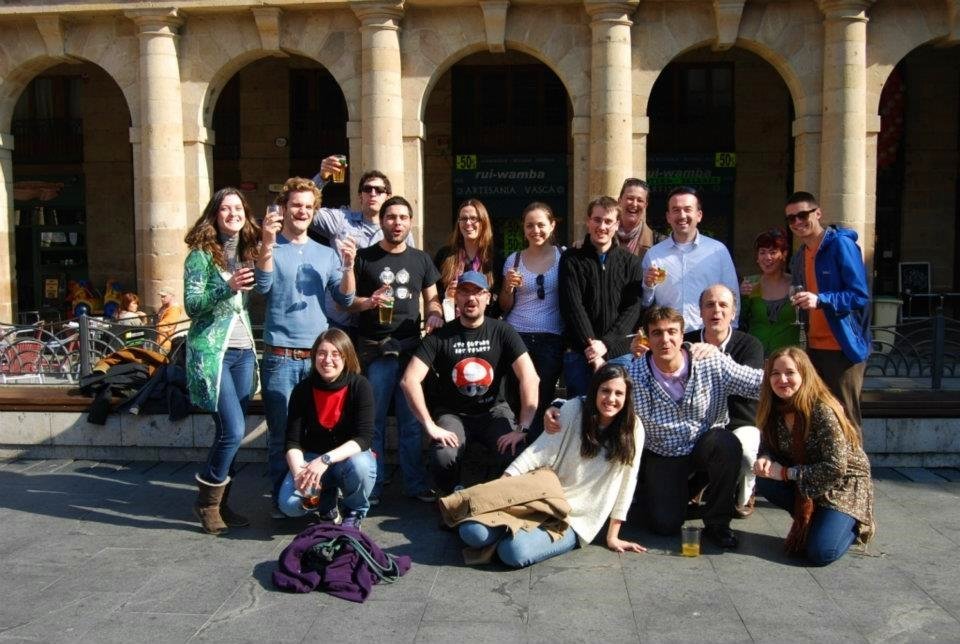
(541,293)
(468,219)
(803,215)
(374,190)
(333,355)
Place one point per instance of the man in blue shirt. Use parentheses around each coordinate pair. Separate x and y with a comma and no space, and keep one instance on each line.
(294,273)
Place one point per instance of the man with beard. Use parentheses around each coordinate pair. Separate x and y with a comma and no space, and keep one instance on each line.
(295,274)
(471,355)
(634,234)
(392,279)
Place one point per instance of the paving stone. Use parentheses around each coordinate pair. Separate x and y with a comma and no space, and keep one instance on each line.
(123,628)
(919,475)
(385,621)
(71,621)
(255,613)
(193,590)
(473,632)
(484,594)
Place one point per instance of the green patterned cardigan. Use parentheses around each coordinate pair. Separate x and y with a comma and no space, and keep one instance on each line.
(212,306)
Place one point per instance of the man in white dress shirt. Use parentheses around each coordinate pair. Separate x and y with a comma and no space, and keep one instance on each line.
(692,262)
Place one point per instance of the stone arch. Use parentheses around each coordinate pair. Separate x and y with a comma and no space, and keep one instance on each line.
(213,53)
(433,44)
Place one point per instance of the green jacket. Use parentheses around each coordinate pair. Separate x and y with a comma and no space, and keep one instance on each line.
(212,306)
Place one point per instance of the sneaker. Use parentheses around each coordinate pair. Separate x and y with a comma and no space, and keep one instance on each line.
(330,516)
(353,520)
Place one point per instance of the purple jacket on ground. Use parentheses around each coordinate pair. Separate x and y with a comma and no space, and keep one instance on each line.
(348,576)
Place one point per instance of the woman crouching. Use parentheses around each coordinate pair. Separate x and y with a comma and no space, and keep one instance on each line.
(596,457)
(812,461)
(329,431)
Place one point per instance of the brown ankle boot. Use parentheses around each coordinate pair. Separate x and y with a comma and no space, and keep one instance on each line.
(230,517)
(207,507)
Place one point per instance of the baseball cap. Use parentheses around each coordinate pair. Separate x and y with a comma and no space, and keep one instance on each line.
(474,277)
(165,290)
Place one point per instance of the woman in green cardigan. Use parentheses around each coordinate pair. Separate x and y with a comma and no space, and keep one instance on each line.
(217,275)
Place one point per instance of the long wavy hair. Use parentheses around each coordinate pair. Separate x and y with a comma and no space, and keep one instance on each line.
(616,439)
(452,266)
(203,235)
(812,392)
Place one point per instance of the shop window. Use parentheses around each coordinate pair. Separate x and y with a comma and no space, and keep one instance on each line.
(48,122)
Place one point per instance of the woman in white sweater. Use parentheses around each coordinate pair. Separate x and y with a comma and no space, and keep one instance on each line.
(596,456)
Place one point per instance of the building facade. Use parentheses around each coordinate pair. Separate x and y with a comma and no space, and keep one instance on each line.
(119,119)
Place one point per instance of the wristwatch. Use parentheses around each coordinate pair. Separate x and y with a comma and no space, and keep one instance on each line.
(521,428)
(325,459)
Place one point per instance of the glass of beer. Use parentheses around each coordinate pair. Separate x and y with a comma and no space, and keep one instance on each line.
(690,541)
(310,499)
(661,275)
(340,174)
(386,310)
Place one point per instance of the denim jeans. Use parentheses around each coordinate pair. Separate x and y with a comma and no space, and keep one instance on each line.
(236,380)
(524,548)
(546,352)
(831,532)
(576,374)
(354,477)
(384,375)
(278,376)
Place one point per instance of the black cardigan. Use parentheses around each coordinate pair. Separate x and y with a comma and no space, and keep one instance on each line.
(304,431)
(746,350)
(597,301)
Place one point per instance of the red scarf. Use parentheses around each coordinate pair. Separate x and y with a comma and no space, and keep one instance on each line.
(796,542)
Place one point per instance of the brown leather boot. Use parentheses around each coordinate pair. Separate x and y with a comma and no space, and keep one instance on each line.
(231,518)
(207,507)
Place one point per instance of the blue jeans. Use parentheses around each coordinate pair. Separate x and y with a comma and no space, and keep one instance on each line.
(278,376)
(546,352)
(354,477)
(384,375)
(577,374)
(831,532)
(524,548)
(236,380)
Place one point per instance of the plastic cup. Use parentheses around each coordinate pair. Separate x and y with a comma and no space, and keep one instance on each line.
(690,541)
(340,174)
(386,311)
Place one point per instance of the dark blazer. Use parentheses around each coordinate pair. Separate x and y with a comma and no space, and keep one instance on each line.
(746,350)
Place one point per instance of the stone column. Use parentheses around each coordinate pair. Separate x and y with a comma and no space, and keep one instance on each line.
(162,220)
(381,104)
(355,151)
(8,252)
(611,100)
(641,128)
(198,145)
(414,132)
(576,220)
(806,132)
(842,165)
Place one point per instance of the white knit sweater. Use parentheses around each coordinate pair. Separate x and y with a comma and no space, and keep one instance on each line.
(595,487)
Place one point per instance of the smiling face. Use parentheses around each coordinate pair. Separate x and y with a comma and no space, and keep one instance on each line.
(633,202)
(230,216)
(785,379)
(771,260)
(328,362)
(298,213)
(537,227)
(602,226)
(468,220)
(665,337)
(610,398)
(803,218)
(683,215)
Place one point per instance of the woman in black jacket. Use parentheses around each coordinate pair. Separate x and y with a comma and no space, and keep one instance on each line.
(329,431)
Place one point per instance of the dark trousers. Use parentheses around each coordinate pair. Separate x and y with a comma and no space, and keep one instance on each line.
(843,378)
(546,352)
(483,429)
(666,482)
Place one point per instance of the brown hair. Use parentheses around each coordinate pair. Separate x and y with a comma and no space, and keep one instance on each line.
(452,266)
(299,184)
(341,342)
(547,210)
(775,238)
(802,196)
(607,203)
(616,438)
(374,174)
(128,298)
(811,393)
(203,235)
(659,313)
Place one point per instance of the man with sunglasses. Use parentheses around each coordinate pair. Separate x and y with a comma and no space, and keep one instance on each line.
(361,226)
(834,299)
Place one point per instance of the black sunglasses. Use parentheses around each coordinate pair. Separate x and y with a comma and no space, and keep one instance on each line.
(374,190)
(541,293)
(803,215)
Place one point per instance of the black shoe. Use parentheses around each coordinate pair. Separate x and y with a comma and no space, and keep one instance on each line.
(721,536)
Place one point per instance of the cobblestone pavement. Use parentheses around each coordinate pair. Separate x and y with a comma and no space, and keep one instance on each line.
(105,552)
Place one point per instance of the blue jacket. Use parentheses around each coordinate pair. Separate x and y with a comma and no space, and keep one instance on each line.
(843,295)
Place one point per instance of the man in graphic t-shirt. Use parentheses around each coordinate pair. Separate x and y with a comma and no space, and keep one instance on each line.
(471,355)
(392,279)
